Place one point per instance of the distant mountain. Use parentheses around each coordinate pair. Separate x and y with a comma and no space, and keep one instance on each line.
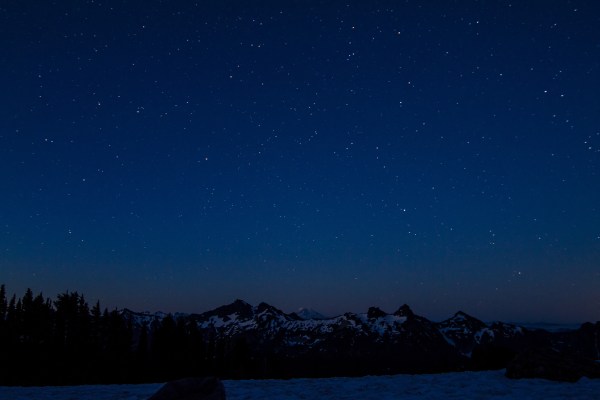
(307,313)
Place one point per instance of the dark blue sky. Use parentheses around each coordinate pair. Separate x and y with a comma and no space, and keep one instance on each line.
(333,155)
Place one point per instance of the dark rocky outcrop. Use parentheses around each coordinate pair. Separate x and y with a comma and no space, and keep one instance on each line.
(375,312)
(552,365)
(191,389)
(404,311)
(238,307)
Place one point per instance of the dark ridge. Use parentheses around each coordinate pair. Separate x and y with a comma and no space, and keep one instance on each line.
(404,311)
(375,312)
(238,307)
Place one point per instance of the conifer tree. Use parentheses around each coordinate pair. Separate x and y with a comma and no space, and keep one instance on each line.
(96,312)
(28,319)
(3,303)
(41,321)
(27,301)
(19,312)
(11,311)
(96,327)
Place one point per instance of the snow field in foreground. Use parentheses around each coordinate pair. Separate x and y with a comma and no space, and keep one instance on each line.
(461,385)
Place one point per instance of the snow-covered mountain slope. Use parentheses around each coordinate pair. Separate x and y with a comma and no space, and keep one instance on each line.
(464,332)
(279,328)
(405,341)
(239,317)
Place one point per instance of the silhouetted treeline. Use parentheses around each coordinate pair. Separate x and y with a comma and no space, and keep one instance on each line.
(61,341)
(65,342)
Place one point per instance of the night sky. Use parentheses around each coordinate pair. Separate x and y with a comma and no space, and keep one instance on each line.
(176,155)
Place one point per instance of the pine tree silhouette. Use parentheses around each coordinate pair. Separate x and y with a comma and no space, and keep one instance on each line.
(3,303)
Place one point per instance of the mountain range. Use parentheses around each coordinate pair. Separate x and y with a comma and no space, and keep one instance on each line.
(310,344)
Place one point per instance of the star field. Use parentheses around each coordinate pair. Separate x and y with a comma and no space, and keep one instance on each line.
(333,155)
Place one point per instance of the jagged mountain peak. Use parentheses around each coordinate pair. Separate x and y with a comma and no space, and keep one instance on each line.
(404,311)
(461,316)
(375,312)
(461,320)
(239,307)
